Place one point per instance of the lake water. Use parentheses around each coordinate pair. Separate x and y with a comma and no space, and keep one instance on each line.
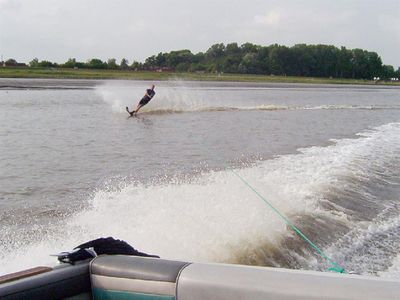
(74,167)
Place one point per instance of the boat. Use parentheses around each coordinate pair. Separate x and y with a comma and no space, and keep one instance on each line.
(145,278)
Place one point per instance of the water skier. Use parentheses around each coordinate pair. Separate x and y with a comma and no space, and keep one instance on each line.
(146,99)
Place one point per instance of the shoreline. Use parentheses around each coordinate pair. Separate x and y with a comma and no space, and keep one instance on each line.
(88,74)
(164,76)
(23,83)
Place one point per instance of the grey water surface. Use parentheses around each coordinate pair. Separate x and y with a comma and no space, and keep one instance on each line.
(64,141)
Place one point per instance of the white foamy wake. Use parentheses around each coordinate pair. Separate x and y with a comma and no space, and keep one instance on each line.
(369,246)
(174,97)
(215,215)
(393,272)
(177,96)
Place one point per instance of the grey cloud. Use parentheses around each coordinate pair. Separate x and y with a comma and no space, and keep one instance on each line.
(56,30)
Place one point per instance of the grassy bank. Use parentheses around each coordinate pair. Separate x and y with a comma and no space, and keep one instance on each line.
(144,75)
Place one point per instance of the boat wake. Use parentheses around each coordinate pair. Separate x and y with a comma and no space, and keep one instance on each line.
(344,197)
(154,110)
(184,99)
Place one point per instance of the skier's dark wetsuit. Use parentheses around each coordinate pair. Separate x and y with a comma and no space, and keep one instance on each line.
(146,98)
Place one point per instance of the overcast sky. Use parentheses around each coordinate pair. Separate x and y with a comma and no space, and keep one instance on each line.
(56,30)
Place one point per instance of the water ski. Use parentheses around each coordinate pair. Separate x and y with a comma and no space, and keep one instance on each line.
(131,113)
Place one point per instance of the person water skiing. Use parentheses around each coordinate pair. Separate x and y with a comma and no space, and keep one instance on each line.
(146,99)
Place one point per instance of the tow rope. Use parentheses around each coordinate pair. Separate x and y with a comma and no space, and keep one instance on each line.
(335,266)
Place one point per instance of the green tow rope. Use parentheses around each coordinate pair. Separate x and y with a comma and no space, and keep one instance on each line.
(335,266)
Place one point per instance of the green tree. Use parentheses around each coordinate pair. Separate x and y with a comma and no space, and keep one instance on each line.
(300,60)
(304,61)
(345,65)
(374,64)
(124,65)
(232,49)
(248,64)
(199,58)
(11,62)
(231,64)
(279,59)
(182,67)
(96,63)
(388,72)
(262,60)
(161,60)
(359,64)
(34,63)
(150,62)
(174,58)
(325,60)
(197,67)
(136,66)
(112,64)
(232,58)
(46,64)
(216,51)
(249,48)
(71,63)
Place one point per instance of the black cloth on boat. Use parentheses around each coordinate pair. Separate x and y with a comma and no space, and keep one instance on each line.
(98,247)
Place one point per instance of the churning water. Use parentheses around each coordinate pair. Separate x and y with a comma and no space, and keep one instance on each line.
(74,167)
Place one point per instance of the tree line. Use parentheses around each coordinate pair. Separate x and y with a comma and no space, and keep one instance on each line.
(248,58)
(299,60)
